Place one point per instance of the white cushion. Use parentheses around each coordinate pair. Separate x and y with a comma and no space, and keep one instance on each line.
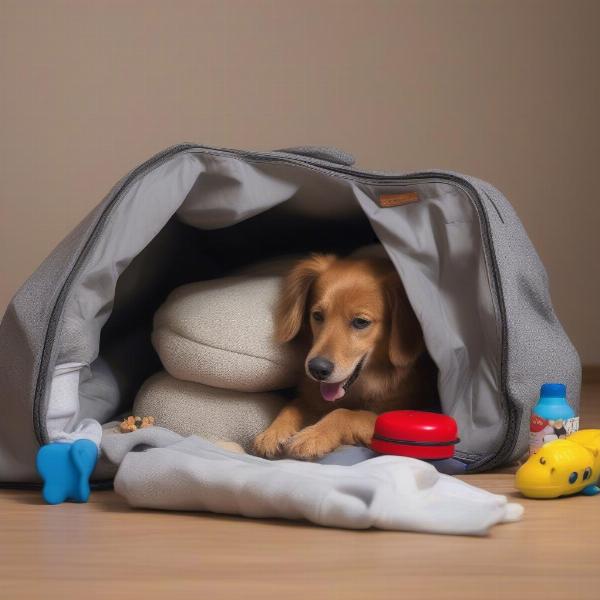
(213,413)
(221,333)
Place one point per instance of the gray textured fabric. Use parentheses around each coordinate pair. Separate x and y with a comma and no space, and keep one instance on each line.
(192,408)
(221,333)
(387,492)
(488,382)
(22,332)
(537,348)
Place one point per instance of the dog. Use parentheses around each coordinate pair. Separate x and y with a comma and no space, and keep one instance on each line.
(366,354)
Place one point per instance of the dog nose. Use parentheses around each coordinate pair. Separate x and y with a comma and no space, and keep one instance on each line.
(320,368)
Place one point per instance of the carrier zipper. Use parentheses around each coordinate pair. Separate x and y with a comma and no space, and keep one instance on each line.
(39,427)
(510,438)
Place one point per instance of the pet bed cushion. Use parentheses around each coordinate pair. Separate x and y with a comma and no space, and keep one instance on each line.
(192,408)
(221,333)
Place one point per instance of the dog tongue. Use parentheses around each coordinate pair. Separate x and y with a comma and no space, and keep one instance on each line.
(332,391)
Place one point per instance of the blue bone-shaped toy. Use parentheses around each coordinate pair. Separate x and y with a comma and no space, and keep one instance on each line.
(65,468)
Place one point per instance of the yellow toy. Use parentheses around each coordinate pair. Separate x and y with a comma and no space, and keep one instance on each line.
(563,467)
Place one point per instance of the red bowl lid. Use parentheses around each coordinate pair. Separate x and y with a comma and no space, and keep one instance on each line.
(416,427)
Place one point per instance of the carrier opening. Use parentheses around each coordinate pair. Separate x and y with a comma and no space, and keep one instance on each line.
(204,215)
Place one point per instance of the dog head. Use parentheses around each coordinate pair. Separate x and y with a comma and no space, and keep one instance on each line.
(357,314)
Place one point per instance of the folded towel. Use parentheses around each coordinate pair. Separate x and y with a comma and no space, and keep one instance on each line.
(387,492)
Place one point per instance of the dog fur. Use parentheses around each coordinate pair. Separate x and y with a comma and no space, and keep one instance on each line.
(323,303)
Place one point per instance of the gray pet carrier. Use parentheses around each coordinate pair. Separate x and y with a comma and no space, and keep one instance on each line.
(194,212)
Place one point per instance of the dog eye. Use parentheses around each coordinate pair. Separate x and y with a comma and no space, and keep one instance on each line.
(318,316)
(359,323)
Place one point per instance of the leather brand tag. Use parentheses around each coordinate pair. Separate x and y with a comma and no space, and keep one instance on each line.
(389,200)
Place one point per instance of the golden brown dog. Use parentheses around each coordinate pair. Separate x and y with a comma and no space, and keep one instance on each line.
(367,354)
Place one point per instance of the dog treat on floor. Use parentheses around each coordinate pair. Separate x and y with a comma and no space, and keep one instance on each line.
(132,423)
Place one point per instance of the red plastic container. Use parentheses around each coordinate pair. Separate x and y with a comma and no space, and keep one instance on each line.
(414,433)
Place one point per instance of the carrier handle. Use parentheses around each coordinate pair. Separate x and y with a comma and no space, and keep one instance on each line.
(326,153)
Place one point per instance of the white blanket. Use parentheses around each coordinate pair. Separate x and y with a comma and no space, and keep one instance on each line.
(386,492)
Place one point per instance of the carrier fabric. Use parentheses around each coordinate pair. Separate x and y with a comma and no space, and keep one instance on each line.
(195,213)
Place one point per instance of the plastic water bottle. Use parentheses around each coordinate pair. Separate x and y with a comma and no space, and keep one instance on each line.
(552,417)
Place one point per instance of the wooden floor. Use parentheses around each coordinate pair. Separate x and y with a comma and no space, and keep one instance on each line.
(106,550)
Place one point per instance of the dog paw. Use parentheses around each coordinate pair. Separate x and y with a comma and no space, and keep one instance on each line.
(310,443)
(270,443)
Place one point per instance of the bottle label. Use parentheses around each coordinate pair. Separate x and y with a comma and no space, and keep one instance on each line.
(543,430)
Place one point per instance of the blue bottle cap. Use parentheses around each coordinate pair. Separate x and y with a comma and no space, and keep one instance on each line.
(553,390)
(553,403)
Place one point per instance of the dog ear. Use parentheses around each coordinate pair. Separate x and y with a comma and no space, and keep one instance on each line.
(294,295)
(406,338)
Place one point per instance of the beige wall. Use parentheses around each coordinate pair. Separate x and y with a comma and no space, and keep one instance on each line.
(508,91)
